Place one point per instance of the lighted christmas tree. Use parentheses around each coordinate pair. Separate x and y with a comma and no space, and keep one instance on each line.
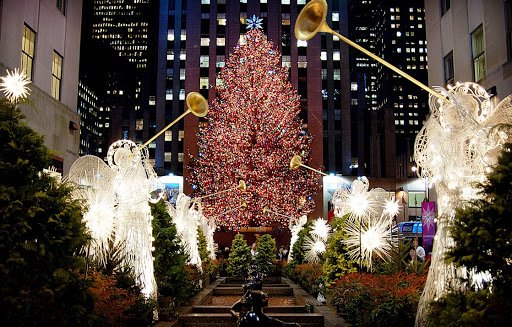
(253,130)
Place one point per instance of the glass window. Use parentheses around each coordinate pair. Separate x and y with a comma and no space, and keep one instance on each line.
(27,51)
(203,82)
(168,136)
(508,26)
(445,5)
(56,75)
(448,68)
(205,41)
(204,61)
(61,6)
(478,52)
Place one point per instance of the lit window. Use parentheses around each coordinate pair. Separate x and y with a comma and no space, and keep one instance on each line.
(182,74)
(205,41)
(286,61)
(139,124)
(180,157)
(27,51)
(183,36)
(181,135)
(323,55)
(56,75)
(182,94)
(398,33)
(301,43)
(168,94)
(204,61)
(168,136)
(167,156)
(203,82)
(478,52)
(353,86)
(337,74)
(170,35)
(336,55)
(221,19)
(335,16)
(221,41)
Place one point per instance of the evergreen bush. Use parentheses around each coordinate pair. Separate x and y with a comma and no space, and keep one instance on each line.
(41,235)
(267,252)
(240,257)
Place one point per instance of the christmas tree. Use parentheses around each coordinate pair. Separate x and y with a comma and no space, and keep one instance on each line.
(253,130)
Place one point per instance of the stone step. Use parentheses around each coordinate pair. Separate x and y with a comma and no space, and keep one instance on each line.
(225,319)
(239,291)
(240,286)
(271,309)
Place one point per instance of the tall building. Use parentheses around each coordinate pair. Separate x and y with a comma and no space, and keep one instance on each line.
(89,111)
(120,33)
(471,41)
(387,110)
(42,38)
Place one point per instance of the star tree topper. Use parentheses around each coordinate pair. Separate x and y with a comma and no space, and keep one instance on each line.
(254,23)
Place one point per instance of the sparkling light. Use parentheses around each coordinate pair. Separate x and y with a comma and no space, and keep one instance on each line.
(313,248)
(368,239)
(254,23)
(321,229)
(391,208)
(14,85)
(459,142)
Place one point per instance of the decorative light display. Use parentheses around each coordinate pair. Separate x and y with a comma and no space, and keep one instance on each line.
(315,243)
(14,85)
(186,218)
(369,223)
(296,225)
(313,247)
(252,131)
(117,198)
(458,144)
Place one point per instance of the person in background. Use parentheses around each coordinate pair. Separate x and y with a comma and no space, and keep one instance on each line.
(412,255)
(420,251)
(254,250)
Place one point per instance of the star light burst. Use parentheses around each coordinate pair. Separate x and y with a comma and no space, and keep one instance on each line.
(369,239)
(254,23)
(14,85)
(313,247)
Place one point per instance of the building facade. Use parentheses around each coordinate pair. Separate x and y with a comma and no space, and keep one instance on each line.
(42,39)
(471,41)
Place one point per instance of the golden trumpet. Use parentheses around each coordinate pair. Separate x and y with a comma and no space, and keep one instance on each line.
(241,186)
(196,104)
(311,20)
(296,163)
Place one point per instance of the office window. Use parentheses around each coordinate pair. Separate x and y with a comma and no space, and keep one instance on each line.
(448,68)
(56,75)
(445,5)
(204,61)
(61,6)
(27,51)
(478,52)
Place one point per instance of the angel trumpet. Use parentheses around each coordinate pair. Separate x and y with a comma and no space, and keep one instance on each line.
(196,104)
(241,186)
(296,163)
(311,20)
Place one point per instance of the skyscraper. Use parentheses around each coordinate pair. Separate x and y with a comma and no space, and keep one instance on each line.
(387,110)
(117,57)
